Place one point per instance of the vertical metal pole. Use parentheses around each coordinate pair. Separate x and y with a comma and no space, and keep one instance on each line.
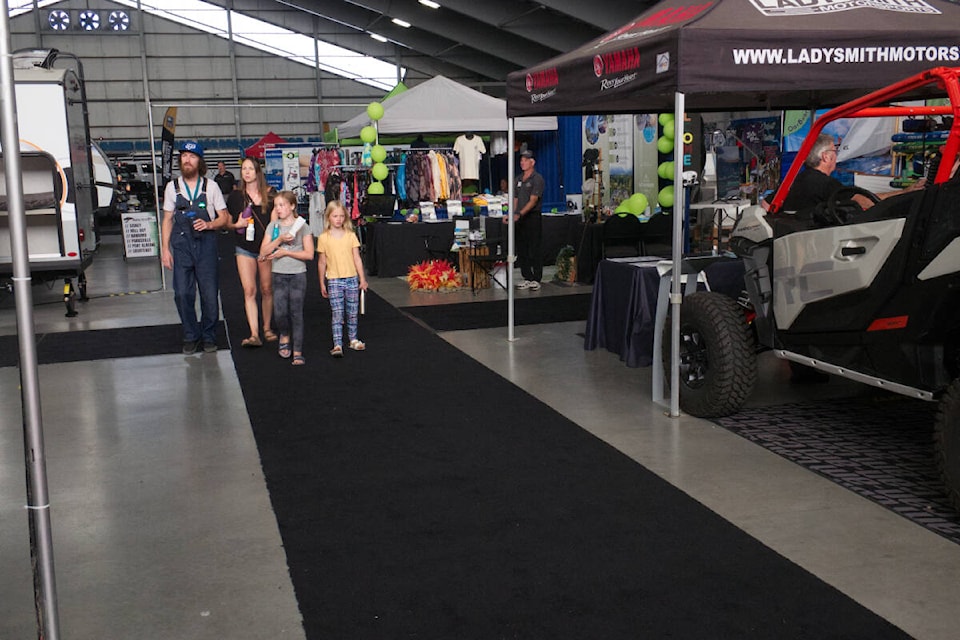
(38,499)
(511,252)
(153,160)
(676,292)
(319,76)
(232,47)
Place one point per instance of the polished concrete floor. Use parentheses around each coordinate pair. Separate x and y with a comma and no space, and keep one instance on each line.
(163,528)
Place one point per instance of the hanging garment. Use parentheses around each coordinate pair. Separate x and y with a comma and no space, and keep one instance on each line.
(355,210)
(453,178)
(401,179)
(435,187)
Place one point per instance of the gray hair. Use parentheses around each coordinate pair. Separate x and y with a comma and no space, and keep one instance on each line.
(824,142)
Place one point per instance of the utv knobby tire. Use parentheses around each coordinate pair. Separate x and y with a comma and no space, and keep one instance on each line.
(718,364)
(947,440)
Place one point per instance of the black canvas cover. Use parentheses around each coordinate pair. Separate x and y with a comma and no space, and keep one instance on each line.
(745,55)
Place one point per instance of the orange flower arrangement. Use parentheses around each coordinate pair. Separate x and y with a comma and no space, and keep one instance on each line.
(433,275)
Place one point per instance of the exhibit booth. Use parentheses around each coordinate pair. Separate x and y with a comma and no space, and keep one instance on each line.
(730,55)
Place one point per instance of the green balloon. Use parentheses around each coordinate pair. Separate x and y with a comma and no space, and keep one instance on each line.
(637,204)
(375,111)
(665,197)
(378,153)
(623,207)
(380,171)
(665,118)
(368,134)
(668,132)
(664,144)
(375,188)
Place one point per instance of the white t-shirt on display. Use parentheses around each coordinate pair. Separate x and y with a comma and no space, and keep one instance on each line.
(469,150)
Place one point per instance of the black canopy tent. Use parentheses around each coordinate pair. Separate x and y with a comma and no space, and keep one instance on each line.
(722,55)
(743,55)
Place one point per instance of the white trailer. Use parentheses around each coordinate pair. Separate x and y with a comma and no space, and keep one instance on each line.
(59,190)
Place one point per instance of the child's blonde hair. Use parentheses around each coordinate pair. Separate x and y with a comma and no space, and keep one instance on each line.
(332,206)
(290,197)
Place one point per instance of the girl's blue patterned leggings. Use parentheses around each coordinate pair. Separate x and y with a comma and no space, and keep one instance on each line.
(344,292)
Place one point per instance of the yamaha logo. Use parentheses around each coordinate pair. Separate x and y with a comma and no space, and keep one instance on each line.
(540,80)
(616,62)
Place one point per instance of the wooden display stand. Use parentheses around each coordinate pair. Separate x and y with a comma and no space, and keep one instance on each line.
(474,277)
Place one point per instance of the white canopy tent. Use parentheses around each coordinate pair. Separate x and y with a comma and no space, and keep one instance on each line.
(441,105)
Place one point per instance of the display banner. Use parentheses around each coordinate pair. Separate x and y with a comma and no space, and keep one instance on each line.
(645,157)
(273,168)
(166,143)
(619,144)
(595,171)
(291,169)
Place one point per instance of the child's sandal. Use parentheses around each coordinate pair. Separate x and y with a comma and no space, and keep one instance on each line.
(337,351)
(269,335)
(356,345)
(298,360)
(284,350)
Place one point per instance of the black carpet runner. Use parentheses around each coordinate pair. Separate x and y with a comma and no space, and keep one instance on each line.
(420,495)
(99,344)
(490,314)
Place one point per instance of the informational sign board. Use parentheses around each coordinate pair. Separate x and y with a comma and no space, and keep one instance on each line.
(273,171)
(140,237)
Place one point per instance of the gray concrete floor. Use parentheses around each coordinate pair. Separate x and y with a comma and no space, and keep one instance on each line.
(157,537)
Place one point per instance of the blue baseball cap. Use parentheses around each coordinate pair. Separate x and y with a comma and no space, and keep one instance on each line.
(191,146)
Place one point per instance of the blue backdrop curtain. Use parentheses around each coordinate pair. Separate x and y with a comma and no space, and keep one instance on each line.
(558,160)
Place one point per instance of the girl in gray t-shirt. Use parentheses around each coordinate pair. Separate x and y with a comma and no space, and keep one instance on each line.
(288,244)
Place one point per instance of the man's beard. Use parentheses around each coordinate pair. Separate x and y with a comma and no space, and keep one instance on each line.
(189,172)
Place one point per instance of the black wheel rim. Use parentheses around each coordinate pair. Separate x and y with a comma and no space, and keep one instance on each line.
(694,362)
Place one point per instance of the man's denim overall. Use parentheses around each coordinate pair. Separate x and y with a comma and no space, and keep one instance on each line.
(195,265)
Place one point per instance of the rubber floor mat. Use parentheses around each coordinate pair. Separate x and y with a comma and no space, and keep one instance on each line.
(880,447)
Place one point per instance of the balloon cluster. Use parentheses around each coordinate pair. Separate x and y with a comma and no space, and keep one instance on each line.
(666,169)
(377,153)
(636,204)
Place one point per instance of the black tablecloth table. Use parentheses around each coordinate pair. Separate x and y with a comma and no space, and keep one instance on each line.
(624,304)
(391,248)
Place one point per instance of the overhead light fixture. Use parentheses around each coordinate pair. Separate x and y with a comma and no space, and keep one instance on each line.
(430,3)
(401,23)
(377,37)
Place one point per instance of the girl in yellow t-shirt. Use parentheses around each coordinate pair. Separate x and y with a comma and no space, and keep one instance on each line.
(341,275)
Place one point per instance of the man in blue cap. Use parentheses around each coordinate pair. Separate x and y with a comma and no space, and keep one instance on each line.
(193,208)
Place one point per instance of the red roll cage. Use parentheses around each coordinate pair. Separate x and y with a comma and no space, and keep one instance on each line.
(948,81)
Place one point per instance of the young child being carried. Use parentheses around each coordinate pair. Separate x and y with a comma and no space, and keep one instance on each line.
(288,244)
(341,275)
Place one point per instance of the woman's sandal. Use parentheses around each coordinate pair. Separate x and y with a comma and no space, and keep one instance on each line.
(337,351)
(284,350)
(252,341)
(269,335)
(298,360)
(356,345)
